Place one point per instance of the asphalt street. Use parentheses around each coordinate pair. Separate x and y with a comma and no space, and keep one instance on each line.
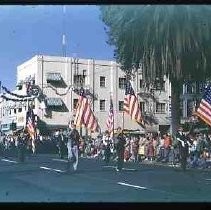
(43,178)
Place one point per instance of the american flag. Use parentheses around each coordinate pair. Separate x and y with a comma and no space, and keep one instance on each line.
(84,114)
(131,105)
(204,109)
(110,120)
(30,123)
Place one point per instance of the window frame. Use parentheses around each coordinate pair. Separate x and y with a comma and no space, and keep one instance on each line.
(101,101)
(121,107)
(122,83)
(101,82)
(160,110)
(75,102)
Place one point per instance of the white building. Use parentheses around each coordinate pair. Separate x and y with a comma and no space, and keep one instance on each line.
(190,100)
(57,76)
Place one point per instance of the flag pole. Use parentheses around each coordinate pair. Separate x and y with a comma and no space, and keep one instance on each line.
(111,100)
(123,120)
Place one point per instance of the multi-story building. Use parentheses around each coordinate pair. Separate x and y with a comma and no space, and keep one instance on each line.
(13,109)
(190,99)
(58,77)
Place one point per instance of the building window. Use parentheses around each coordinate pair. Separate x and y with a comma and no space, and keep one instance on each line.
(142,106)
(102,81)
(160,108)
(14,111)
(84,72)
(190,107)
(189,88)
(122,83)
(121,105)
(102,105)
(79,80)
(19,109)
(75,102)
(160,85)
(201,87)
(141,83)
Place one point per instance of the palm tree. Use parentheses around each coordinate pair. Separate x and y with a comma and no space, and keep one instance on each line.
(172,40)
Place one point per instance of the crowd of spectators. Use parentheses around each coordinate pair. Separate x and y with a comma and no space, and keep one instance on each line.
(148,148)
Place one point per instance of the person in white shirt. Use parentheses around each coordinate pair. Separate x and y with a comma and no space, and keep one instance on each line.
(73,146)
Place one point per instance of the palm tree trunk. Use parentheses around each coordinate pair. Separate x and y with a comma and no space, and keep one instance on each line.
(175,107)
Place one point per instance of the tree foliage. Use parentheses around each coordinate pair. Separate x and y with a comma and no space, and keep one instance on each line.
(173,40)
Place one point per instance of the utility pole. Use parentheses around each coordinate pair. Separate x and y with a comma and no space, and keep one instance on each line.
(64,32)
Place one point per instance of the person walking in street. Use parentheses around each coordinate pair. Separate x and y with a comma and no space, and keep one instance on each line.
(120,148)
(73,146)
(61,144)
(107,152)
(21,148)
(183,148)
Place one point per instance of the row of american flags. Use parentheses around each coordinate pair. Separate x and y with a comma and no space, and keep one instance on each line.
(85,116)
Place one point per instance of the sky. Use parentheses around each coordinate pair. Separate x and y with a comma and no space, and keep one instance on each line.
(32,30)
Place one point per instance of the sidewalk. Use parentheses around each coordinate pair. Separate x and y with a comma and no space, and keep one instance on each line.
(177,165)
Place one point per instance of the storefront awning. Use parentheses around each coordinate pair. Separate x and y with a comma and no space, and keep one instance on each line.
(54,102)
(53,77)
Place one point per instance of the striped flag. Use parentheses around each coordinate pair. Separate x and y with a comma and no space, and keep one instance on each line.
(131,105)
(30,123)
(204,109)
(84,114)
(110,120)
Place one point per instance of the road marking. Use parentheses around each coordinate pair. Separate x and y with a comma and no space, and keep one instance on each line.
(11,161)
(130,185)
(129,169)
(125,169)
(109,166)
(61,160)
(52,169)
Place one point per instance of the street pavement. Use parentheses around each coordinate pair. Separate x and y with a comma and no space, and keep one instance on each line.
(43,178)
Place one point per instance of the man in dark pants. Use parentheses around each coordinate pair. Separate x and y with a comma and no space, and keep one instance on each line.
(183,148)
(61,144)
(107,150)
(120,148)
(21,148)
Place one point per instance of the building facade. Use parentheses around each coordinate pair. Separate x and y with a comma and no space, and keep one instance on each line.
(190,100)
(58,78)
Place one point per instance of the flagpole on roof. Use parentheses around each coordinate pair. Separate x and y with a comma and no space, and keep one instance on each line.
(64,32)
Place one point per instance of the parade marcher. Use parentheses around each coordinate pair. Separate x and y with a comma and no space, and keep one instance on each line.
(183,148)
(61,144)
(73,146)
(21,148)
(107,152)
(120,148)
(28,145)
